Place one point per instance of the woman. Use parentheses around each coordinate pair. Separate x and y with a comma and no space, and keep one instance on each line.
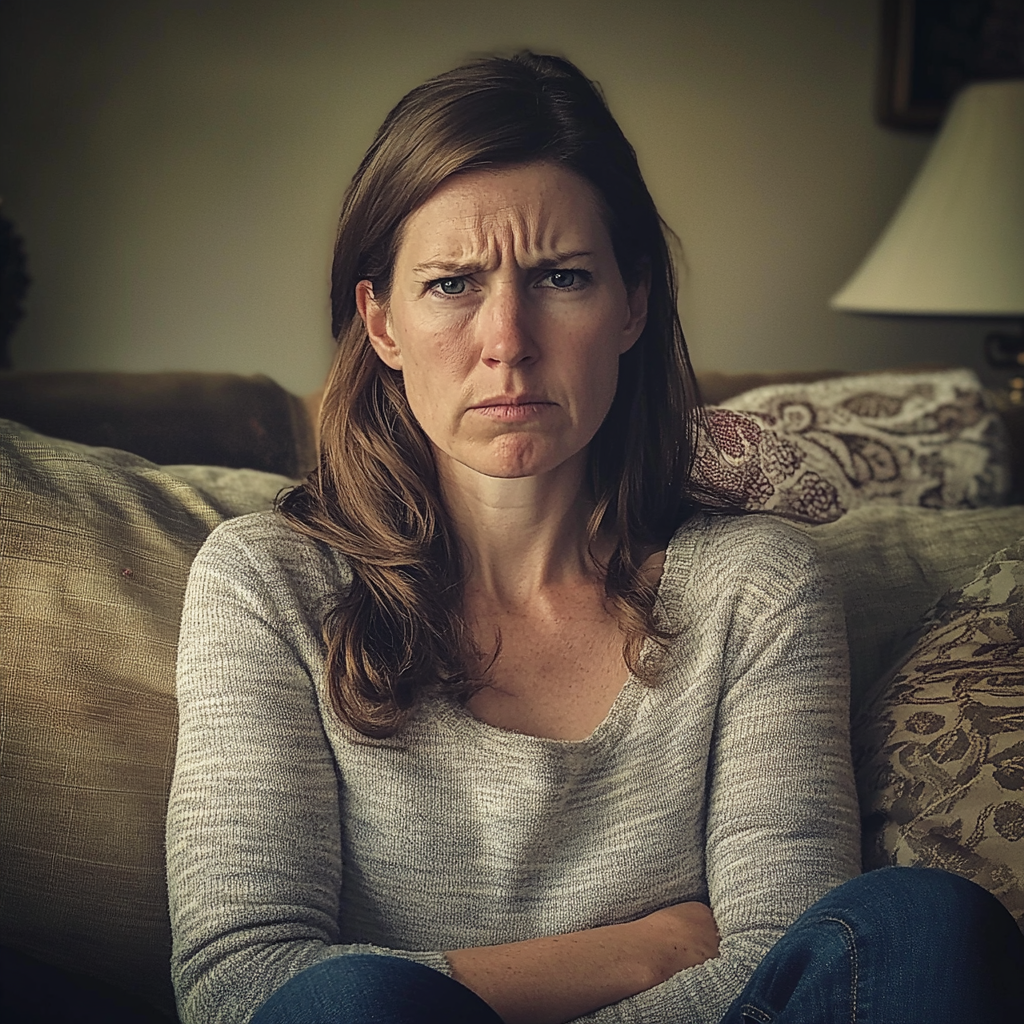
(489,718)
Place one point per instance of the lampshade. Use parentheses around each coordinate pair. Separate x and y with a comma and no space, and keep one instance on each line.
(956,244)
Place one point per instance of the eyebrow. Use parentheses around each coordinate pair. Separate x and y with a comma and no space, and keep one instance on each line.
(457,269)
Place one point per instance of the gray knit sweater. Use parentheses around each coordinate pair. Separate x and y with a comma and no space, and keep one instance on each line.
(290,839)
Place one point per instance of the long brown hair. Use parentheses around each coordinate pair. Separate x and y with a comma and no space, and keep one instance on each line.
(399,631)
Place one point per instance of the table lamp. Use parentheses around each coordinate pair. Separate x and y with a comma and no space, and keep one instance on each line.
(955,246)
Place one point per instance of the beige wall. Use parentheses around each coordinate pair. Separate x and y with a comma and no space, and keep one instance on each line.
(176,167)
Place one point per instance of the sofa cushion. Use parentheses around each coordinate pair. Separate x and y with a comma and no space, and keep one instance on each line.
(816,451)
(222,419)
(891,564)
(939,751)
(95,547)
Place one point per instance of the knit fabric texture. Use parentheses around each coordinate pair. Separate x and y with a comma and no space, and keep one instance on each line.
(292,839)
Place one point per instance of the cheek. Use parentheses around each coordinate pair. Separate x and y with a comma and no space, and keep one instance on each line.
(602,390)
(595,359)
(434,365)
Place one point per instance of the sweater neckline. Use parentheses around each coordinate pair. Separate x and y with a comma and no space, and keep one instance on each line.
(458,719)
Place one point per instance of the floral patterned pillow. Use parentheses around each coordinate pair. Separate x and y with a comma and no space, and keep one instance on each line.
(939,749)
(816,451)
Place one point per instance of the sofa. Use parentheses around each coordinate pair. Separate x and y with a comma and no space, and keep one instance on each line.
(910,483)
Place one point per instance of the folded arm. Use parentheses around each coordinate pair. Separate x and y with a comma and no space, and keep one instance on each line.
(253,827)
(254,824)
(782,824)
(558,978)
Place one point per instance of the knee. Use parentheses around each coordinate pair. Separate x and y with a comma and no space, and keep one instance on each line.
(916,889)
(930,898)
(373,988)
(917,937)
(313,995)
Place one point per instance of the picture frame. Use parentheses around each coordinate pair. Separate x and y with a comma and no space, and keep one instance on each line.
(932,48)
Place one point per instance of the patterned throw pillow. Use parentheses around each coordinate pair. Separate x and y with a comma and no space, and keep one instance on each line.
(816,451)
(939,749)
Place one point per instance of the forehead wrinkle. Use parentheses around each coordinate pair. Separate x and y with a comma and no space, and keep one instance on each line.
(526,231)
(478,239)
(461,244)
(531,235)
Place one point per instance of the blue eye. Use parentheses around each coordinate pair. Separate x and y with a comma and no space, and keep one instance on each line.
(452,285)
(562,278)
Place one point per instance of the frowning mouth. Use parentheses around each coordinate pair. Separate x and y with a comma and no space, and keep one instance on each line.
(512,408)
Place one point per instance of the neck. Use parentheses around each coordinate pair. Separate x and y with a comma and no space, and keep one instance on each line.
(519,535)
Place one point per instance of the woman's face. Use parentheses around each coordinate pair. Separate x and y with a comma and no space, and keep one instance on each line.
(507,317)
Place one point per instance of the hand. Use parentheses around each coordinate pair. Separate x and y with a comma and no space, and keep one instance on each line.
(676,937)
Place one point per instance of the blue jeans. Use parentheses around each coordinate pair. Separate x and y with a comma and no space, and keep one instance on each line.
(894,946)
(371,989)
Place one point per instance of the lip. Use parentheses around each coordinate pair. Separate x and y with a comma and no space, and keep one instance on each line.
(512,408)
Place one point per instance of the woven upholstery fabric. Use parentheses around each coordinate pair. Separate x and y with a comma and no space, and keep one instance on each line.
(939,752)
(816,451)
(95,547)
(891,564)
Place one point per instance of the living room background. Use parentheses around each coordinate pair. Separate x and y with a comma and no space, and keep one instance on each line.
(176,168)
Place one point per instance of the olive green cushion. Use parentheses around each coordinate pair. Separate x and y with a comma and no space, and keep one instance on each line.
(939,749)
(95,547)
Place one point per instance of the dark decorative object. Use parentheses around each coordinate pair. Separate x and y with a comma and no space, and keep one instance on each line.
(931,48)
(14,281)
(1006,352)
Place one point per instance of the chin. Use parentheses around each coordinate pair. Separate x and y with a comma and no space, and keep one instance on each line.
(506,462)
(511,472)
(518,469)
(511,456)
(516,456)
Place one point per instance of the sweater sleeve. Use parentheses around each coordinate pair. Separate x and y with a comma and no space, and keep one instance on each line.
(782,821)
(253,829)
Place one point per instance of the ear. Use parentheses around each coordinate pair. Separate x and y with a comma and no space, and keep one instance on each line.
(636,315)
(378,325)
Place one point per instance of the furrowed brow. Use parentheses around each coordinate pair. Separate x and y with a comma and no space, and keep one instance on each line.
(558,259)
(448,267)
(453,268)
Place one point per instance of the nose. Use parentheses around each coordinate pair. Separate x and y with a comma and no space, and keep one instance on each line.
(506,336)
